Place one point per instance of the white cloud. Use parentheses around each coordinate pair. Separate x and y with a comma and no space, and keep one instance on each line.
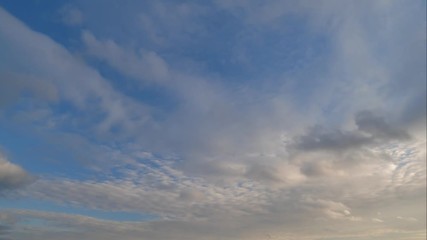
(377,220)
(142,65)
(411,219)
(157,187)
(66,77)
(233,174)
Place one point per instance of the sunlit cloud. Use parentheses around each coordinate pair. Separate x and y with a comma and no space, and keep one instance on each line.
(222,120)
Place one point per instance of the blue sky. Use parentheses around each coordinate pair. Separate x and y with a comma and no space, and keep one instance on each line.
(212,119)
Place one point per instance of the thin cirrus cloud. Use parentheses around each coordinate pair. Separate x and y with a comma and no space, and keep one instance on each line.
(222,120)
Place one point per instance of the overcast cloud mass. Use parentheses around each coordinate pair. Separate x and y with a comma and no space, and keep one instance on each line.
(213,120)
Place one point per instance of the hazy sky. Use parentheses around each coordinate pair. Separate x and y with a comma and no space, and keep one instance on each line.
(212,120)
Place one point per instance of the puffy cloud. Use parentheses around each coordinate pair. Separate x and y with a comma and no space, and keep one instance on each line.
(12,176)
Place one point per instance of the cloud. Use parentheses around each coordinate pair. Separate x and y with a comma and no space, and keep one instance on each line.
(377,220)
(16,85)
(411,219)
(6,225)
(367,122)
(231,158)
(371,130)
(320,139)
(344,192)
(338,216)
(334,210)
(12,176)
(65,77)
(71,16)
(142,65)
(163,191)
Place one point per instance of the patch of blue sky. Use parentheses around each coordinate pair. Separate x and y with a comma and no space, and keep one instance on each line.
(113,19)
(64,150)
(47,153)
(215,43)
(212,47)
(38,205)
(225,47)
(44,18)
(39,152)
(253,55)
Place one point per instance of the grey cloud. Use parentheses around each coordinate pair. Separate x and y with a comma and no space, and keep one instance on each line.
(263,173)
(371,129)
(377,126)
(321,139)
(12,176)
(313,169)
(191,195)
(5,231)
(415,111)
(14,85)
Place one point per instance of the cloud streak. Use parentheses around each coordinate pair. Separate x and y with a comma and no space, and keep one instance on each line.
(274,120)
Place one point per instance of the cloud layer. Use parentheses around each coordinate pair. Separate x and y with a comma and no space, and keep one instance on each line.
(225,120)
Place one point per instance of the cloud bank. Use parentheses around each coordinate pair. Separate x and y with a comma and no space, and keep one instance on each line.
(224,120)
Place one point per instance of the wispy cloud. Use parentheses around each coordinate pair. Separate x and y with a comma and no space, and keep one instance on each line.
(224,120)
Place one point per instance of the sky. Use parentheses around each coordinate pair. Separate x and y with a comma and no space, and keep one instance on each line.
(213,120)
